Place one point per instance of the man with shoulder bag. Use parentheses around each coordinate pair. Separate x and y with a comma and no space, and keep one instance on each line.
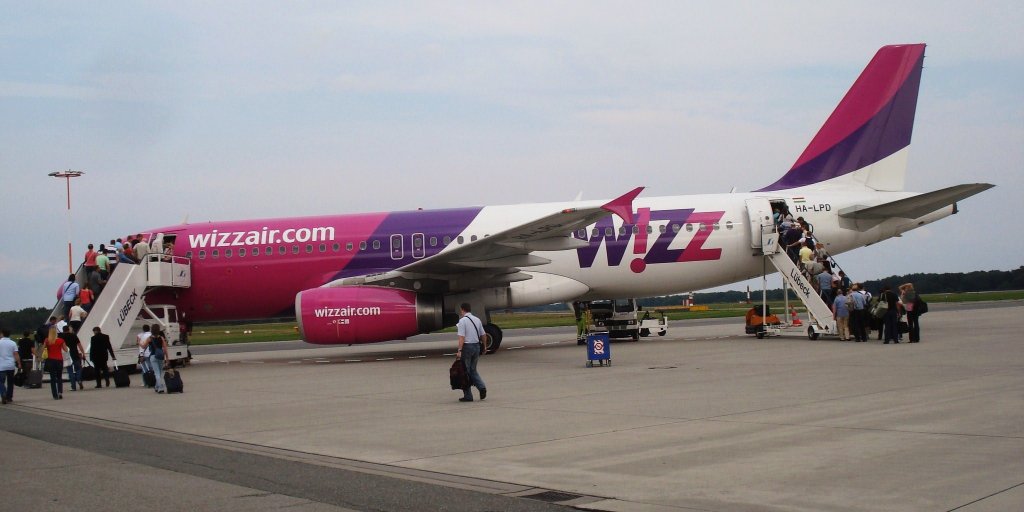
(471,342)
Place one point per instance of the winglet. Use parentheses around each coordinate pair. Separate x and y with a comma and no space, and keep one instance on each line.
(623,205)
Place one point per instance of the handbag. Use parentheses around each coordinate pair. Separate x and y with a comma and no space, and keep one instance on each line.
(881,308)
(458,376)
(920,306)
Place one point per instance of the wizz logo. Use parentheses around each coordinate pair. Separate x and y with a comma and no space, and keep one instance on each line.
(617,241)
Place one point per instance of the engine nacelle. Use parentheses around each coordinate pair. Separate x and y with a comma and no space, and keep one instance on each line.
(365,314)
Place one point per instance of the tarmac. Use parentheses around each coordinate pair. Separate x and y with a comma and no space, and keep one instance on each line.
(704,418)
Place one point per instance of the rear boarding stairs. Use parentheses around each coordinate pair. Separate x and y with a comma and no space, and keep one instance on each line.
(765,238)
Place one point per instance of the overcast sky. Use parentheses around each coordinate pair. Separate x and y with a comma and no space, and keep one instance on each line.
(222,110)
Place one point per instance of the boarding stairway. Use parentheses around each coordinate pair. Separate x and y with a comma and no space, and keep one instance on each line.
(123,298)
(820,314)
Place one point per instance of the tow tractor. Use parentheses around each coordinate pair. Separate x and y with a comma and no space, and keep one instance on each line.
(624,318)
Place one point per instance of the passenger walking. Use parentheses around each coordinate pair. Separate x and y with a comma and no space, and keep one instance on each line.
(99,347)
(112,256)
(54,364)
(68,293)
(75,352)
(141,250)
(26,351)
(909,298)
(858,313)
(10,361)
(157,348)
(890,322)
(86,297)
(470,331)
(77,315)
(841,312)
(41,335)
(142,340)
(825,285)
(90,261)
(103,263)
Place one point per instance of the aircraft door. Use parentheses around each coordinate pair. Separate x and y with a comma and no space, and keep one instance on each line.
(397,247)
(759,212)
(418,248)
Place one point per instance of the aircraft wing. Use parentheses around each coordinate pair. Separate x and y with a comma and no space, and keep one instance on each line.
(496,259)
(917,206)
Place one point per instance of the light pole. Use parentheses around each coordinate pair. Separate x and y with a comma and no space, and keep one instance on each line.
(67,175)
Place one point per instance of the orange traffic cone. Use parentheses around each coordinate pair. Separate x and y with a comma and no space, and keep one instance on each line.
(795,320)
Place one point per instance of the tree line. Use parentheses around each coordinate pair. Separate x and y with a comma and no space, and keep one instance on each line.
(955,282)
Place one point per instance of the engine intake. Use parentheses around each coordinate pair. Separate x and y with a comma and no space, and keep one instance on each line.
(365,314)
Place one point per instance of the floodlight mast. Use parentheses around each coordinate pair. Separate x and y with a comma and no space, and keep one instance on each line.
(67,175)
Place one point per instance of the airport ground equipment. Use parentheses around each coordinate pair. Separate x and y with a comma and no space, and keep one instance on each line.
(765,238)
(599,349)
(623,318)
(121,309)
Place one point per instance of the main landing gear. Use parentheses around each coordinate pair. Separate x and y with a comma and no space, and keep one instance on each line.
(495,335)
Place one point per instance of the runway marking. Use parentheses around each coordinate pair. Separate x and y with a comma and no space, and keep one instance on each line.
(417,357)
(515,348)
(251,362)
(353,360)
(552,343)
(322,361)
(294,362)
(385,359)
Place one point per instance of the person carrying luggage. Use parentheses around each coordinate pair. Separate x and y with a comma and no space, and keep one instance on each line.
(99,347)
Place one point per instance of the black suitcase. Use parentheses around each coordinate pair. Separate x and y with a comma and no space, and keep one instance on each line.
(19,378)
(88,371)
(35,379)
(149,379)
(172,380)
(121,379)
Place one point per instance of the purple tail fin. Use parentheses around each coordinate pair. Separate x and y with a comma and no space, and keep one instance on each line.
(874,120)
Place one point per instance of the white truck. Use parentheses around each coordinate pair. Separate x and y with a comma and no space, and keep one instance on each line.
(624,318)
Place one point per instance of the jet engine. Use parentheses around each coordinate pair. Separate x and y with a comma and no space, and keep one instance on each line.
(365,314)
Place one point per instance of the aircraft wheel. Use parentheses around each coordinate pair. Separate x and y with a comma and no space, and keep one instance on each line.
(495,334)
(811,335)
(662,332)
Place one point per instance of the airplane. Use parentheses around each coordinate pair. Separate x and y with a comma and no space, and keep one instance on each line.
(375,277)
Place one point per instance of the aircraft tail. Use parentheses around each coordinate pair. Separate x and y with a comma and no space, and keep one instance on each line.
(865,140)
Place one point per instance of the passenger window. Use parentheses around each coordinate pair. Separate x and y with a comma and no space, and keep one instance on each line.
(447,240)
(636,229)
(376,244)
(202,255)
(689,227)
(433,241)
(349,246)
(675,228)
(417,242)
(650,229)
(472,238)
(595,233)
(269,251)
(622,230)
(336,247)
(282,250)
(728,225)
(461,240)
(715,226)
(215,253)
(662,228)
(323,247)
(255,251)
(309,248)
(295,249)
(608,231)
(362,245)
(188,254)
(703,226)
(241,253)
(227,253)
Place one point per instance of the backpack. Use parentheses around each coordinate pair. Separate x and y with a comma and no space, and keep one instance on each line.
(880,308)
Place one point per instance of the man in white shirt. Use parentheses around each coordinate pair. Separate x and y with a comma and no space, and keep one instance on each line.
(470,330)
(143,340)
(9,361)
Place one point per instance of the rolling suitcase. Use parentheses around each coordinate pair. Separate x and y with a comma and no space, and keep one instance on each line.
(149,379)
(19,378)
(172,380)
(121,379)
(35,379)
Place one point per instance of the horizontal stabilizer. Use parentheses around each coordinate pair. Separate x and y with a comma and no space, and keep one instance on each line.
(917,206)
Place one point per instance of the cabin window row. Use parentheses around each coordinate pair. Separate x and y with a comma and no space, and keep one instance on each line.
(418,242)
